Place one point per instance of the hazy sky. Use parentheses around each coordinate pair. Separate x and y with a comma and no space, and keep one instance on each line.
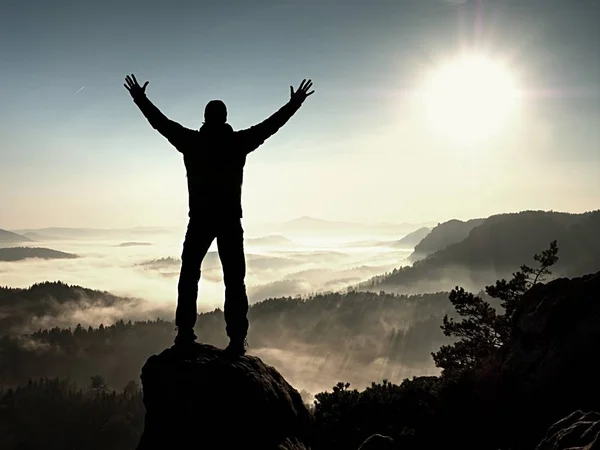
(75,150)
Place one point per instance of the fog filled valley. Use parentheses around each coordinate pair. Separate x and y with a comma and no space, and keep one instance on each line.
(145,264)
(362,315)
(328,304)
(310,328)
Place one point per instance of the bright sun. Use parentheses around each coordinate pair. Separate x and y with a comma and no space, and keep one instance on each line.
(470,98)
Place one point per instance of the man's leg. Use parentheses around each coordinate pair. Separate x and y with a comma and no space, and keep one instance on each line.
(230,242)
(197,241)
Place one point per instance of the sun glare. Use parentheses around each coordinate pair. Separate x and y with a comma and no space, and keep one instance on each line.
(470,98)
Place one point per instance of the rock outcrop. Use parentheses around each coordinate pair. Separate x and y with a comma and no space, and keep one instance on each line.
(557,328)
(548,369)
(577,431)
(551,358)
(201,398)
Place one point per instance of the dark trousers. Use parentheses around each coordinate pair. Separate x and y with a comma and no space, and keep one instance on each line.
(230,243)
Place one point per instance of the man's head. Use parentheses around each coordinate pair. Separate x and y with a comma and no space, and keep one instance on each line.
(215,112)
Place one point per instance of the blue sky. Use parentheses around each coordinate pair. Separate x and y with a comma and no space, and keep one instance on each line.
(87,157)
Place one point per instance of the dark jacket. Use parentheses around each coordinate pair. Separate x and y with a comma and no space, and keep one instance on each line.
(214,156)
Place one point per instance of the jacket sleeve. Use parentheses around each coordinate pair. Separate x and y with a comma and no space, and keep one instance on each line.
(175,133)
(256,135)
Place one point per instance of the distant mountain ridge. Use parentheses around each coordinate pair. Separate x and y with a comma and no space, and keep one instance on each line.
(134,244)
(497,247)
(9,237)
(443,235)
(273,239)
(55,233)
(301,225)
(310,224)
(413,239)
(40,237)
(13,254)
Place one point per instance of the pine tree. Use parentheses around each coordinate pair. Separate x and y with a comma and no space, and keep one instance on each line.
(482,329)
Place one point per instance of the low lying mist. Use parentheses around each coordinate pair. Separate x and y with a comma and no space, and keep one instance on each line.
(276,266)
(355,337)
(314,343)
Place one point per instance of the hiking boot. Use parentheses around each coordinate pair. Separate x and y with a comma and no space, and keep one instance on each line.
(237,347)
(185,336)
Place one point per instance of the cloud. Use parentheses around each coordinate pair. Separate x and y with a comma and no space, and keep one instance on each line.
(150,273)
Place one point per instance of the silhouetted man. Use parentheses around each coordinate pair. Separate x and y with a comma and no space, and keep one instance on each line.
(214,158)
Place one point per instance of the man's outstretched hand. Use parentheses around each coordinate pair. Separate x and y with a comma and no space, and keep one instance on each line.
(302,92)
(134,88)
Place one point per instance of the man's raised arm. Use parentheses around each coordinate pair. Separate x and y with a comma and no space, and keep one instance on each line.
(258,134)
(173,131)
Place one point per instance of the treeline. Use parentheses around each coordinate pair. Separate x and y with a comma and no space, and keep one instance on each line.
(21,309)
(365,324)
(55,414)
(492,249)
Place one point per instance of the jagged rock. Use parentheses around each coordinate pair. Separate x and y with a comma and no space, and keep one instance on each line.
(202,398)
(557,325)
(548,369)
(577,431)
(377,442)
(551,358)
